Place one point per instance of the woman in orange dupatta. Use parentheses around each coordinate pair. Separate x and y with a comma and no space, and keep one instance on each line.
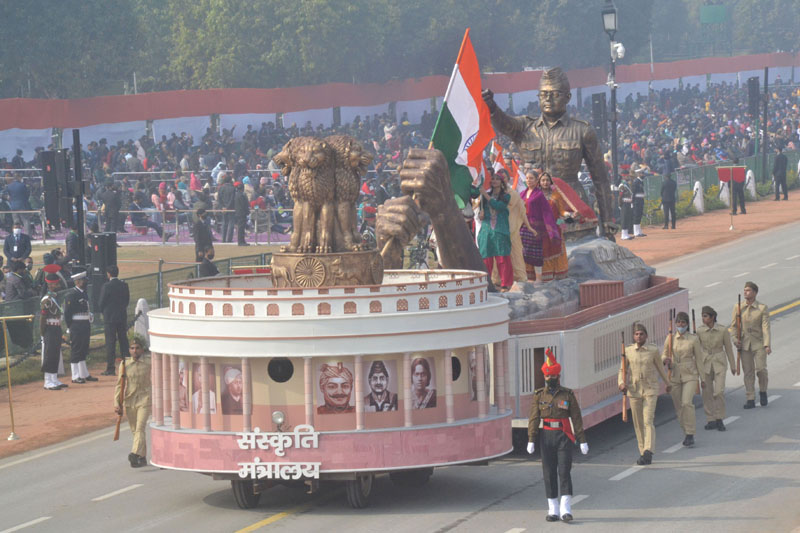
(554,251)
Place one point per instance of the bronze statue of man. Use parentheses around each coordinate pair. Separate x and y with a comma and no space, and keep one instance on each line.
(556,142)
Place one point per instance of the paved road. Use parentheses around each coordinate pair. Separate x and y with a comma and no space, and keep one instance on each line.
(747,479)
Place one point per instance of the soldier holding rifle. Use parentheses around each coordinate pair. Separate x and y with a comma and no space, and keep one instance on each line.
(684,356)
(754,343)
(640,382)
(133,392)
(716,343)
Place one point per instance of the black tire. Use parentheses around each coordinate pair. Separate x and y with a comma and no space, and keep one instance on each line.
(244,493)
(411,478)
(358,491)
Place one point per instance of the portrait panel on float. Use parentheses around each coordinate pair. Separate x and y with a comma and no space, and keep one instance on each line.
(232,387)
(423,382)
(382,384)
(336,388)
(197,391)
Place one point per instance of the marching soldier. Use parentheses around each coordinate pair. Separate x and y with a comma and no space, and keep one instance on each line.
(626,205)
(78,319)
(684,356)
(555,409)
(136,374)
(755,344)
(50,329)
(641,385)
(638,204)
(716,343)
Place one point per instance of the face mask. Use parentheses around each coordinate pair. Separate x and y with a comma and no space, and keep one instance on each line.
(682,329)
(552,383)
(17,231)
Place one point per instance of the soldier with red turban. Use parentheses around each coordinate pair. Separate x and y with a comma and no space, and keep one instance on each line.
(555,410)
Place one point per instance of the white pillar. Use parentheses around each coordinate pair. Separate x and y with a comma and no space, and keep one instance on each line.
(407,390)
(359,390)
(247,396)
(308,394)
(448,385)
(499,371)
(205,389)
(481,385)
(158,380)
(175,385)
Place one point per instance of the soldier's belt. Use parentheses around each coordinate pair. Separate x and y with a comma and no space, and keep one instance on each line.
(640,195)
(552,424)
(627,200)
(81,316)
(53,322)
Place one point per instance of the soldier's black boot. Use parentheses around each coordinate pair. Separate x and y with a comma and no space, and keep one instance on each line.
(763,397)
(751,404)
(645,459)
(688,441)
(133,459)
(711,425)
(720,425)
(141,461)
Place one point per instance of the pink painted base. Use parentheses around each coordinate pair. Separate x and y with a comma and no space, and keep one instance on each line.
(340,452)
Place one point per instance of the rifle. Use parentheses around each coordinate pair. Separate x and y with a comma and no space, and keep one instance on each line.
(123,377)
(694,331)
(739,336)
(669,351)
(624,379)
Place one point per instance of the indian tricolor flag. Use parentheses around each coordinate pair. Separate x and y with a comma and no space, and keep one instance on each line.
(464,126)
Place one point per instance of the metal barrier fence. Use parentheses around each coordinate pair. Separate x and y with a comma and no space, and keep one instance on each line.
(174,221)
(152,287)
(707,174)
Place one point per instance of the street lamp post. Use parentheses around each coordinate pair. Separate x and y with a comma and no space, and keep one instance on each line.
(609,13)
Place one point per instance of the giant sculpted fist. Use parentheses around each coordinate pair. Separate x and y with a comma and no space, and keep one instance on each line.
(425,180)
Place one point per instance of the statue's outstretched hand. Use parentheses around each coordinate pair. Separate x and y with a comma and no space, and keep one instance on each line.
(488,98)
(398,221)
(426,177)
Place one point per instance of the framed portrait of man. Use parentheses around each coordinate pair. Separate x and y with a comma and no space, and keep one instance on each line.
(381,380)
(336,385)
(423,383)
(197,389)
(232,387)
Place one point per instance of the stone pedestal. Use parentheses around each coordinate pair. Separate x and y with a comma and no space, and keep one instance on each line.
(327,270)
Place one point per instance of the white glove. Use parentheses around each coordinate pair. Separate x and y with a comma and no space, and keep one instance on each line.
(584,448)
(67,331)
(531,447)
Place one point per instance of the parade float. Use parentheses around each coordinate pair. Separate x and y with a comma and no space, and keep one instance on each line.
(329,367)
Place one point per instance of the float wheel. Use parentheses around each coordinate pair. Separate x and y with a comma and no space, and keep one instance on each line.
(411,478)
(358,491)
(244,493)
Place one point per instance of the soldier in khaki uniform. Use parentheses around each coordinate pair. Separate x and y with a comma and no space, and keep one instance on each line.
(686,362)
(716,343)
(137,402)
(555,410)
(641,385)
(755,344)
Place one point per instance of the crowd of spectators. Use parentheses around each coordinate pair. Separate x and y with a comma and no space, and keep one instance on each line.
(175,176)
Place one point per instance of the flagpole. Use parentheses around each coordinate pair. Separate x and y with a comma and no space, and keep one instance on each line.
(449,85)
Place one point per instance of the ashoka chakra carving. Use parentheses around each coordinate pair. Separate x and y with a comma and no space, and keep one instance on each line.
(309,272)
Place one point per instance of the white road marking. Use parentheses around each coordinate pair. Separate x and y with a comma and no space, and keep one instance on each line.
(793,257)
(769,265)
(27,524)
(516,530)
(116,493)
(797,384)
(675,448)
(740,275)
(773,398)
(730,419)
(59,449)
(579,498)
(713,284)
(626,473)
